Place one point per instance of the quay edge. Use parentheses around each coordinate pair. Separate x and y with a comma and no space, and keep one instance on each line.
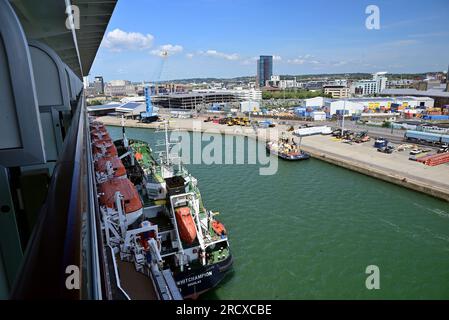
(335,159)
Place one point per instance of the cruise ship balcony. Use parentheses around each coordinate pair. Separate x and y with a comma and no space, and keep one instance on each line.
(50,233)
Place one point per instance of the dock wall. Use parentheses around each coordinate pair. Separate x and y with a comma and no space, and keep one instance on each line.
(381,173)
(378,173)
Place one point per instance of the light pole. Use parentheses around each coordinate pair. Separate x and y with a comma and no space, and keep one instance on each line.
(343,118)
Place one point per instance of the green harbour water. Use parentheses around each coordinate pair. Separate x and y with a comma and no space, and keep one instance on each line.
(310,231)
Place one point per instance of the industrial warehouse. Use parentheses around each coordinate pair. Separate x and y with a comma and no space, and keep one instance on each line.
(189,101)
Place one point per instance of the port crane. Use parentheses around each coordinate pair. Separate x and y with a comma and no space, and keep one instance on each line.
(149,115)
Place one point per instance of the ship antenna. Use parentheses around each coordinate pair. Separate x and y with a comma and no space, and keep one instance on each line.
(165,156)
(167,143)
(125,140)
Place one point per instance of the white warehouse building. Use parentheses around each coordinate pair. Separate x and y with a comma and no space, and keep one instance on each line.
(248,94)
(315,102)
(415,102)
(249,106)
(358,105)
(318,116)
(350,107)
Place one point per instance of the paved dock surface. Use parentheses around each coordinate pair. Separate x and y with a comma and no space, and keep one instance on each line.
(364,158)
(396,165)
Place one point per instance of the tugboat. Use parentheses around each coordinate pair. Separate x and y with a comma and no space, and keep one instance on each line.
(154,218)
(286,149)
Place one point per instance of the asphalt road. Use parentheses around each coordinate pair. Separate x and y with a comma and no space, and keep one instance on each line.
(397,136)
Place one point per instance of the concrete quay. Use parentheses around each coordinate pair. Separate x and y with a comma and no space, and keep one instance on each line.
(363,158)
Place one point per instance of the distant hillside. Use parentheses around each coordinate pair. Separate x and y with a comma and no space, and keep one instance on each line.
(209,80)
(354,76)
(302,77)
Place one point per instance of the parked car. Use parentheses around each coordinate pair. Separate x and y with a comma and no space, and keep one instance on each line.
(387,149)
(415,152)
(444,148)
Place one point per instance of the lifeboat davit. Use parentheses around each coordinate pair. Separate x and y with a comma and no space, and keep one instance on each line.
(98,127)
(102,166)
(108,147)
(98,133)
(186,225)
(145,236)
(131,202)
(98,136)
(218,228)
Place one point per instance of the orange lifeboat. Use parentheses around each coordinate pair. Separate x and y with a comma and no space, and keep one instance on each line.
(97,127)
(117,166)
(98,132)
(95,123)
(186,225)
(111,150)
(218,228)
(131,201)
(100,136)
(100,140)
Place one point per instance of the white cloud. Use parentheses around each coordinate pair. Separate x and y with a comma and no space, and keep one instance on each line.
(306,59)
(339,63)
(118,40)
(403,43)
(429,34)
(296,61)
(167,49)
(217,54)
(398,43)
(250,61)
(190,55)
(277,58)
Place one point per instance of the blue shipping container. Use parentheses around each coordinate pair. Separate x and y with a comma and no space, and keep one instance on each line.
(300,111)
(436,117)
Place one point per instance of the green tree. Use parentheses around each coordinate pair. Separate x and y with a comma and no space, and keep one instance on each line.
(292,94)
(94,103)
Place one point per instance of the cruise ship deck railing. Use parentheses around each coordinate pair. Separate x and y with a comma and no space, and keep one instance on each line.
(66,233)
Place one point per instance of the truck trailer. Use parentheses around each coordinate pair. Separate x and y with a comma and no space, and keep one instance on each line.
(426,137)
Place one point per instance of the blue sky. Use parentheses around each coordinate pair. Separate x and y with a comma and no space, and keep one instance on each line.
(222,38)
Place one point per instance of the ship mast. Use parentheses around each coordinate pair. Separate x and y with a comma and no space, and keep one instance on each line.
(166,159)
(125,139)
(167,151)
